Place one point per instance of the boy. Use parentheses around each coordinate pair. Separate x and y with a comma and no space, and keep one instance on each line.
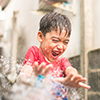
(54,36)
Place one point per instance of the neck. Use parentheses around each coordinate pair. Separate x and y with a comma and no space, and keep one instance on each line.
(41,50)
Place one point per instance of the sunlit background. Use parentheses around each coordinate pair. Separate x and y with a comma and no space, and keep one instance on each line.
(19,24)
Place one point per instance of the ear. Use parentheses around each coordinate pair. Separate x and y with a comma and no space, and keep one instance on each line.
(40,36)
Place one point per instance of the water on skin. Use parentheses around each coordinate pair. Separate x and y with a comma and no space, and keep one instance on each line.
(35,91)
(46,50)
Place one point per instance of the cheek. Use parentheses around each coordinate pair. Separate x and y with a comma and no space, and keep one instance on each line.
(46,50)
(48,46)
(65,47)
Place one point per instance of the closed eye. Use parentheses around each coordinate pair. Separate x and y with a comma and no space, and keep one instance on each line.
(66,42)
(55,40)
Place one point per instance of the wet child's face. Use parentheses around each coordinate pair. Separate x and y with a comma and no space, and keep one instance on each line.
(53,44)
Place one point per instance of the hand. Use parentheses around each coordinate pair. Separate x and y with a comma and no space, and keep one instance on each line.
(27,71)
(39,69)
(73,80)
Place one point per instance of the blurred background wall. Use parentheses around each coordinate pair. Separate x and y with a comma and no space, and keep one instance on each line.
(19,24)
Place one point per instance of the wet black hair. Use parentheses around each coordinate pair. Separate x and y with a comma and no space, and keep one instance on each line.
(53,21)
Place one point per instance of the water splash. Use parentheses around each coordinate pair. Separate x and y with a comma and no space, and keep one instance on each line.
(35,90)
(5,86)
(74,94)
(32,90)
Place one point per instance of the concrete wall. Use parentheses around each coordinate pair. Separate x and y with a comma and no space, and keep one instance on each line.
(94,74)
(96,24)
(26,26)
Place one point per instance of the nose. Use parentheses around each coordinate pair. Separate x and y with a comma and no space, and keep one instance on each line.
(60,47)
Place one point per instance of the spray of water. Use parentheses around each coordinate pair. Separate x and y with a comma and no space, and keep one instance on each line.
(74,94)
(32,89)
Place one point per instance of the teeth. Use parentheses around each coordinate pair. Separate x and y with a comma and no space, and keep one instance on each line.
(55,54)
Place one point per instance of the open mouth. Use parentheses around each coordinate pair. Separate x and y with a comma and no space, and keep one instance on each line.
(55,54)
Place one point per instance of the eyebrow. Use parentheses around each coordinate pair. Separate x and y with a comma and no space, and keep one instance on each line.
(59,38)
(55,37)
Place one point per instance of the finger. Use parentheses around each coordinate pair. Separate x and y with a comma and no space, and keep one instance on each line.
(46,70)
(76,77)
(81,80)
(84,85)
(40,68)
(69,77)
(35,68)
